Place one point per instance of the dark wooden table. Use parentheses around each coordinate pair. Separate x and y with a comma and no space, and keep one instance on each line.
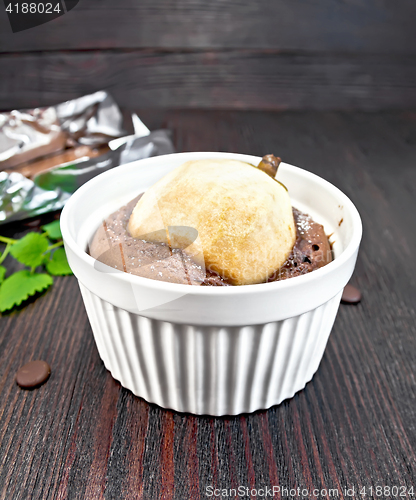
(82,436)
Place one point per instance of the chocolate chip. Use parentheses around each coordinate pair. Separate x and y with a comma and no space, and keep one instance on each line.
(33,374)
(351,295)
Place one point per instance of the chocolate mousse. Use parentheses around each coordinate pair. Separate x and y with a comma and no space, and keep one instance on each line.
(113,245)
(311,251)
(213,222)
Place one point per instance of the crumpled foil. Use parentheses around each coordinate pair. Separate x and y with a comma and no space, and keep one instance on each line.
(89,120)
(20,198)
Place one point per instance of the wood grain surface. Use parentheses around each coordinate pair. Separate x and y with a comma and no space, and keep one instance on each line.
(215,79)
(325,26)
(82,436)
(267,54)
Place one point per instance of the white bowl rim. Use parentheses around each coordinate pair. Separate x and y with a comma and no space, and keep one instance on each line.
(217,290)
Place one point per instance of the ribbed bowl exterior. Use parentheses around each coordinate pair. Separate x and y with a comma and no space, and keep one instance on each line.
(207,369)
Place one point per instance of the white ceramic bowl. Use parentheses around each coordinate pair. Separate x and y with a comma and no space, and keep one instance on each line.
(210,350)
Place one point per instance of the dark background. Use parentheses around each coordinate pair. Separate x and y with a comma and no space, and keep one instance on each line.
(263,54)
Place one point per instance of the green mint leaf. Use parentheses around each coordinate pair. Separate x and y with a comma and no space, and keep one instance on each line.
(58,265)
(53,230)
(29,249)
(20,286)
(2,273)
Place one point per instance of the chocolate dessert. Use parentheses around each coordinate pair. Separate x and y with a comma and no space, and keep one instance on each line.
(113,245)
(311,251)
(213,222)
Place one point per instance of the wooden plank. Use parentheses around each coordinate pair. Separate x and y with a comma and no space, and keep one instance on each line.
(298,25)
(82,436)
(230,79)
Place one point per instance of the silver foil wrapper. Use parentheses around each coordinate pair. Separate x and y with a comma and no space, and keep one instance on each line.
(20,198)
(90,120)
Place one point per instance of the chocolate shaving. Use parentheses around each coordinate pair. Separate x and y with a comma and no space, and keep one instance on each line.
(122,257)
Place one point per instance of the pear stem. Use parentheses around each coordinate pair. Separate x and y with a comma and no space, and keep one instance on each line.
(269,164)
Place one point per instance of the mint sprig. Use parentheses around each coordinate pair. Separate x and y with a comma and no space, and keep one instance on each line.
(2,273)
(53,230)
(20,286)
(45,259)
(58,265)
(30,249)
